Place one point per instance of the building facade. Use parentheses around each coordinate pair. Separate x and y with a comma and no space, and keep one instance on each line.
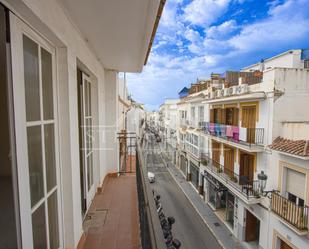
(62,106)
(243,144)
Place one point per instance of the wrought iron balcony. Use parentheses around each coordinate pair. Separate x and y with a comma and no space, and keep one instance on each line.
(295,215)
(250,136)
(248,189)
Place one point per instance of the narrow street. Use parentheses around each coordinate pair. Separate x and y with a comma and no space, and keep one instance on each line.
(189,227)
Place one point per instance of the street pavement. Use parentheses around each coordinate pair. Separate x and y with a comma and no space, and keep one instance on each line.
(189,228)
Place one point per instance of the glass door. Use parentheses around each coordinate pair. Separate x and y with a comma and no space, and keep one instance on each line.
(87,136)
(34,91)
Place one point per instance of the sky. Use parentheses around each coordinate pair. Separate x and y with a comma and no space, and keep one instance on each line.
(198,37)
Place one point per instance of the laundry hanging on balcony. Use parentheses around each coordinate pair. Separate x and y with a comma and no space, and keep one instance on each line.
(243,134)
(229,131)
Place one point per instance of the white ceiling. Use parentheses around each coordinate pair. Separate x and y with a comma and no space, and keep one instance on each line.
(118,31)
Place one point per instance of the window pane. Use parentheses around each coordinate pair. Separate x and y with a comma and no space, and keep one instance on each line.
(35,163)
(47,84)
(89,98)
(50,161)
(89,135)
(89,170)
(53,221)
(31,74)
(39,228)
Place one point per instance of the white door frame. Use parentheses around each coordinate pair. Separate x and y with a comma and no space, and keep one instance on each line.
(17,29)
(88,193)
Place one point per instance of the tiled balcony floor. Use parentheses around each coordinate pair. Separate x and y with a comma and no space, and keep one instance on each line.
(114,212)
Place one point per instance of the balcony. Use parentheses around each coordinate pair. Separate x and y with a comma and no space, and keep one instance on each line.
(193,150)
(130,219)
(193,122)
(296,217)
(183,122)
(248,191)
(249,139)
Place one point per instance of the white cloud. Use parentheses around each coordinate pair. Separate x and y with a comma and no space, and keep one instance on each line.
(205,12)
(287,23)
(222,30)
(167,72)
(192,35)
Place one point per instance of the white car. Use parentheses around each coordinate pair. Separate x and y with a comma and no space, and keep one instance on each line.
(151,177)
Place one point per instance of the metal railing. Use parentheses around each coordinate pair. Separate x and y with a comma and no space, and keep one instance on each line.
(127,152)
(150,227)
(295,215)
(247,188)
(250,136)
(132,161)
(193,149)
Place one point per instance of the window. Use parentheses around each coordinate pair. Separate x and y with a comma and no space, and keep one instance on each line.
(193,112)
(201,113)
(295,182)
(293,198)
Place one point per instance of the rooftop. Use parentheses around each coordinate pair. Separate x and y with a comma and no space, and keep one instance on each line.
(293,147)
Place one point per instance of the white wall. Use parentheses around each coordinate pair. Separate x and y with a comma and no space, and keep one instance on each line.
(291,106)
(292,59)
(49,19)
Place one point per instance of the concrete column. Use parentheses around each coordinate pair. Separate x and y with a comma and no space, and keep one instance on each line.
(111,123)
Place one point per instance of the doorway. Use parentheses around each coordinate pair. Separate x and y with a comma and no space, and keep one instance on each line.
(246,168)
(229,161)
(9,208)
(249,121)
(36,134)
(284,245)
(85,120)
(252,228)
(216,152)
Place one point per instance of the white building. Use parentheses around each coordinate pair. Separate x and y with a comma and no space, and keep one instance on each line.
(169,124)
(228,137)
(61,104)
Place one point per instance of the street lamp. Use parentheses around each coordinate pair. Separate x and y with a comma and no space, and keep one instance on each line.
(262,177)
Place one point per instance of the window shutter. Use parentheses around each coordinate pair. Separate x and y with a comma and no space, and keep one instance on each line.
(212,116)
(223,116)
(295,183)
(235,116)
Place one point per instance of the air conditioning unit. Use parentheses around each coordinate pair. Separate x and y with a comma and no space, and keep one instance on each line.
(226,92)
(218,94)
(238,89)
(233,90)
(244,88)
(212,95)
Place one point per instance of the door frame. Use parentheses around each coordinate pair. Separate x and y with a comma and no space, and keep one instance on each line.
(242,167)
(18,28)
(247,228)
(88,194)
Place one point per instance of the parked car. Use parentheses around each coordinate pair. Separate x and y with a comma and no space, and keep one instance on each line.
(151,177)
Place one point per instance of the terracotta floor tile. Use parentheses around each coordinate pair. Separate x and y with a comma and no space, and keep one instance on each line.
(120,230)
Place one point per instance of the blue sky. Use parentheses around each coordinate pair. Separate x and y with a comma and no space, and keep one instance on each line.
(198,37)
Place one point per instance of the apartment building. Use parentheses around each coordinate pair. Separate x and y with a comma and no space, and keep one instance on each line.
(169,122)
(246,149)
(61,103)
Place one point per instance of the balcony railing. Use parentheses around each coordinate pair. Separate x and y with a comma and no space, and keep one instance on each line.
(194,150)
(248,189)
(251,136)
(295,215)
(193,122)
